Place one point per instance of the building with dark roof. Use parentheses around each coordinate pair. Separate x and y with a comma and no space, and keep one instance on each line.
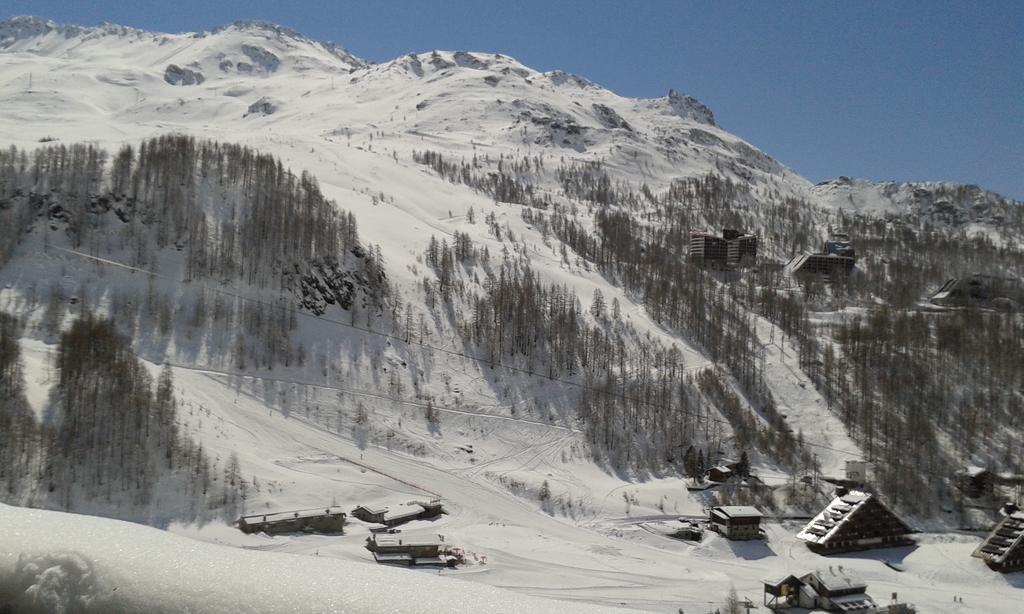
(975,482)
(318,520)
(1003,549)
(855,521)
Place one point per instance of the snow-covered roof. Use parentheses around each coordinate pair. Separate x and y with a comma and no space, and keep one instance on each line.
(373,509)
(398,539)
(835,579)
(822,526)
(738,511)
(282,516)
(403,511)
(777,581)
(974,471)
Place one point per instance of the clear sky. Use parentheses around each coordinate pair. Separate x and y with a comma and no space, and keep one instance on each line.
(915,90)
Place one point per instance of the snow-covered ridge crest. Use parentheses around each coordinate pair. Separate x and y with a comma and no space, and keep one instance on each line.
(46,37)
(283,32)
(686,107)
(25,27)
(49,38)
(942,201)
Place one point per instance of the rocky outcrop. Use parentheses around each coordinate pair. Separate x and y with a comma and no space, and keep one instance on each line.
(176,75)
(263,106)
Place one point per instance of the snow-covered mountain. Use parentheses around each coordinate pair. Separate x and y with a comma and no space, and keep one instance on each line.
(219,80)
(463,170)
(939,201)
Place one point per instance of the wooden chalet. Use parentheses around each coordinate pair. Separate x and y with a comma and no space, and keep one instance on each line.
(398,549)
(855,521)
(394,515)
(720,473)
(782,592)
(319,520)
(834,590)
(1003,549)
(975,482)
(736,521)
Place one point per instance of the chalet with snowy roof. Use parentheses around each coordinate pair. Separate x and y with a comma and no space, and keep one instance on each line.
(855,521)
(398,549)
(834,590)
(1003,549)
(975,482)
(401,513)
(318,520)
(721,473)
(736,521)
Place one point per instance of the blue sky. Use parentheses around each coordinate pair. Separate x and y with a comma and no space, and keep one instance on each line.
(897,90)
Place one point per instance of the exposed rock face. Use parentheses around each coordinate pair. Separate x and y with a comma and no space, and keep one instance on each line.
(552,125)
(176,75)
(468,60)
(688,107)
(263,106)
(261,58)
(327,283)
(936,201)
(609,118)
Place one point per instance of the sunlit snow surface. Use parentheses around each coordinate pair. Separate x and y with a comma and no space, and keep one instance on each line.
(56,562)
(355,126)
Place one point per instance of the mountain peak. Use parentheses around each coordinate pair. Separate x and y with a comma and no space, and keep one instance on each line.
(24,27)
(689,107)
(260,26)
(279,32)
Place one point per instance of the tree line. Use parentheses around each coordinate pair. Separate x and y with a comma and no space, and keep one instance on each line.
(110,440)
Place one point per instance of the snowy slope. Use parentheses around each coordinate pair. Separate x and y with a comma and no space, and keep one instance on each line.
(611,554)
(937,201)
(354,125)
(55,562)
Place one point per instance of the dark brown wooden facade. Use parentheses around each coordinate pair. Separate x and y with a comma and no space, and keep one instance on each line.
(317,520)
(736,521)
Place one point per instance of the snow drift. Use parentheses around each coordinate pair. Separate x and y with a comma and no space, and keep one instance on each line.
(57,562)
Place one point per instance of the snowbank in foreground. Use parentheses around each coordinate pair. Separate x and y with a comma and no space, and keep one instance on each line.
(57,562)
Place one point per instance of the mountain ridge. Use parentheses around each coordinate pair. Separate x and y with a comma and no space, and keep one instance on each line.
(18,33)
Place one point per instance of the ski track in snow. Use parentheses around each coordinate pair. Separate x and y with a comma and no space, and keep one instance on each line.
(603,556)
